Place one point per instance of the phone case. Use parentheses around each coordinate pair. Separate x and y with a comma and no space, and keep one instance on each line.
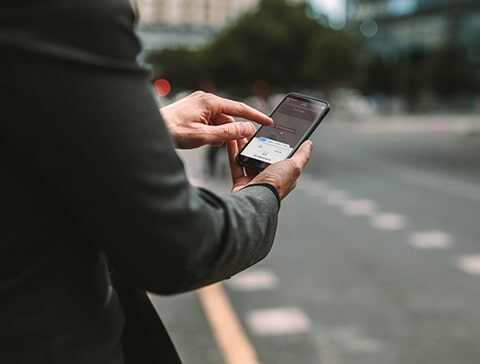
(260,165)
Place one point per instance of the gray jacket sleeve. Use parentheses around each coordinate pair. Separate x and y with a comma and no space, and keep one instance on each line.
(88,127)
(114,168)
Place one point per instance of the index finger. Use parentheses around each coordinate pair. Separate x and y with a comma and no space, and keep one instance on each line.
(240,109)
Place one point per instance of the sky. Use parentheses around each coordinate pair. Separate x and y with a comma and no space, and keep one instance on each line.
(334,9)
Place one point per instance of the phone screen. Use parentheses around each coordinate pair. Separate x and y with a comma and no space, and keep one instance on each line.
(292,120)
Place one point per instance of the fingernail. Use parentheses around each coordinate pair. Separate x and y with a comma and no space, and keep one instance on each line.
(243,130)
(246,129)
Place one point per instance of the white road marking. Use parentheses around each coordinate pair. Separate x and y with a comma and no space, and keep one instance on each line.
(315,188)
(361,207)
(351,339)
(278,321)
(469,264)
(254,280)
(388,221)
(336,197)
(430,240)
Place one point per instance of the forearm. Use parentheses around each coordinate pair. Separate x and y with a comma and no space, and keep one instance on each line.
(248,231)
(104,159)
(207,238)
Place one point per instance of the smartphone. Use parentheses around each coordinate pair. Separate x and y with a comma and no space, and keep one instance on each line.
(294,120)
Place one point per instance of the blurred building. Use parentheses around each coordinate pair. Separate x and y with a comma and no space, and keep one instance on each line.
(187,23)
(393,26)
(208,13)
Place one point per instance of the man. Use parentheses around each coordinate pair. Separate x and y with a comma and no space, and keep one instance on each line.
(95,203)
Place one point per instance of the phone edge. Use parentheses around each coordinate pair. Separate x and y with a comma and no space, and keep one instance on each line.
(328,108)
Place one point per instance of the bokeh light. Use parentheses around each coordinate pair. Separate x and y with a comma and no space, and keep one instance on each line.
(162,87)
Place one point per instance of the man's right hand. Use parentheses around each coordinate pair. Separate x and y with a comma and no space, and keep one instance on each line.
(282,175)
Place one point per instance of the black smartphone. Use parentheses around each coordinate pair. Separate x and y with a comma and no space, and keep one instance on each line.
(294,120)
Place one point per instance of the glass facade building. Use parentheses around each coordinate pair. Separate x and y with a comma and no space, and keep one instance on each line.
(396,26)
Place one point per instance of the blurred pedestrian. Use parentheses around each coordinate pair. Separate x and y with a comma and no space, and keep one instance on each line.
(96,206)
(212,167)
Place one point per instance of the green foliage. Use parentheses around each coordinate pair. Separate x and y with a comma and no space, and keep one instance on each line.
(180,65)
(448,72)
(270,44)
(444,73)
(377,76)
(277,43)
(332,59)
(284,46)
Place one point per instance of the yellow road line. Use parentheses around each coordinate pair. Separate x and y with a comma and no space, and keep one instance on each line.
(229,334)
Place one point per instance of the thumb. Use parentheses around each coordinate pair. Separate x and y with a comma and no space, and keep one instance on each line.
(302,155)
(218,134)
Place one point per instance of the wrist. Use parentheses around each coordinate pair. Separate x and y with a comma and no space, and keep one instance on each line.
(270,186)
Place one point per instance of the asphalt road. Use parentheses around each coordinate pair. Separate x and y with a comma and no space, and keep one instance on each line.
(376,260)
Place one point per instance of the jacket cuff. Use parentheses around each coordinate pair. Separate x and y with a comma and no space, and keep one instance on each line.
(270,187)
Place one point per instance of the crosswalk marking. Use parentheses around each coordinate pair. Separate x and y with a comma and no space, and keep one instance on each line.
(469,264)
(430,240)
(388,221)
(336,197)
(278,321)
(254,280)
(362,207)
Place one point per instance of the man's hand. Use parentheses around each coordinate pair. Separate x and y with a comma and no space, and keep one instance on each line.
(281,175)
(203,118)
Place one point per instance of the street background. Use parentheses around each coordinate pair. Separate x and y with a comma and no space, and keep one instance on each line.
(377,254)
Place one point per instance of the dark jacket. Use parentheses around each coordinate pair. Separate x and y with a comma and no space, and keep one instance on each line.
(95,206)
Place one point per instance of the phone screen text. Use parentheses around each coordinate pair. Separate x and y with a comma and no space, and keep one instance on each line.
(291,121)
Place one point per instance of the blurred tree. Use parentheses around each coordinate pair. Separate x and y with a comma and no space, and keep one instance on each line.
(277,43)
(443,73)
(448,72)
(332,59)
(182,66)
(376,76)
(280,44)
(409,77)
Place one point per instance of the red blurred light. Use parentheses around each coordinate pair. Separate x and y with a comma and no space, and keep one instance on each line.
(162,86)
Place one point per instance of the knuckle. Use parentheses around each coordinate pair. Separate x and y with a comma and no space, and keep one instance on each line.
(242,105)
(297,167)
(204,131)
(228,130)
(198,93)
(208,96)
(292,165)
(250,131)
(210,99)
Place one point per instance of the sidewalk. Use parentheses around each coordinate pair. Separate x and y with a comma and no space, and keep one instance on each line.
(194,161)
(182,314)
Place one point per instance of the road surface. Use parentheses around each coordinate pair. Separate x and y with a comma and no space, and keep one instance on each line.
(376,260)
